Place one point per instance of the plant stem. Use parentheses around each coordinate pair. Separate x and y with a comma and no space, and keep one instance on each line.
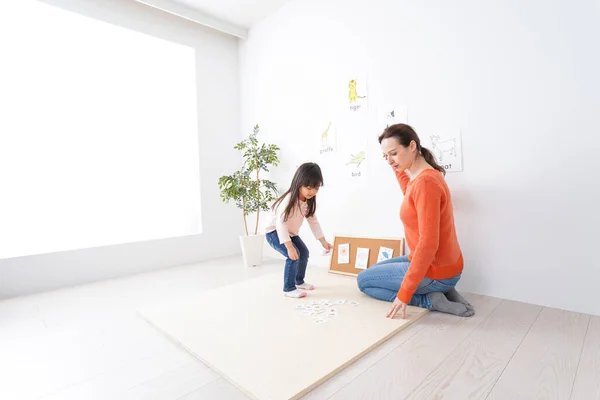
(244,212)
(257,198)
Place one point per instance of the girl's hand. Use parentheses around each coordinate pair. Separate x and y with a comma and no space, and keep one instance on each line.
(397,306)
(291,250)
(326,245)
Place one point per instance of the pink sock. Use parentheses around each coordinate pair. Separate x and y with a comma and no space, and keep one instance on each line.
(295,294)
(306,286)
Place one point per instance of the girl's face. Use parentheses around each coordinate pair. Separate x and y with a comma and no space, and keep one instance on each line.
(396,155)
(308,192)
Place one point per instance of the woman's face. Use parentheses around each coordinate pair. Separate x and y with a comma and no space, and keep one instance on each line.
(398,156)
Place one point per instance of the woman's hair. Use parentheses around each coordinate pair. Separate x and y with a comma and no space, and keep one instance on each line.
(405,134)
(308,174)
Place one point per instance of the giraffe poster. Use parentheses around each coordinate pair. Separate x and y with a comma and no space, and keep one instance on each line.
(327,139)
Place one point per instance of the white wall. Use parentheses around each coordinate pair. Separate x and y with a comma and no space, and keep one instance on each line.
(218,110)
(521,81)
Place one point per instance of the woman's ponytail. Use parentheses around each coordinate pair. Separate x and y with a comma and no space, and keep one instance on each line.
(428,156)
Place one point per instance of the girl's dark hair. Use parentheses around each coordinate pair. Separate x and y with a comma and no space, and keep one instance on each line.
(308,174)
(405,134)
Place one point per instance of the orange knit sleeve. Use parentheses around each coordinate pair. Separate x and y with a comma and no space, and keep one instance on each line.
(427,200)
(403,180)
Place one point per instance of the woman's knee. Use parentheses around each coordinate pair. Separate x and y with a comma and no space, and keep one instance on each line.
(363,278)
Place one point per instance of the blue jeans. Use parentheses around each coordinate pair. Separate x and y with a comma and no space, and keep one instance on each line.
(382,281)
(294,269)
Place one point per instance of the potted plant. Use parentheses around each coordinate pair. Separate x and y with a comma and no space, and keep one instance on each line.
(251,193)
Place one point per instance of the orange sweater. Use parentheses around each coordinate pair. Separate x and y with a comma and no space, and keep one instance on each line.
(428,220)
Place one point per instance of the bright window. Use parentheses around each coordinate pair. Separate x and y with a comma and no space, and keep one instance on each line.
(98,133)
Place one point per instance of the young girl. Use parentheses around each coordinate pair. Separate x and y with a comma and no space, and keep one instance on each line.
(285,220)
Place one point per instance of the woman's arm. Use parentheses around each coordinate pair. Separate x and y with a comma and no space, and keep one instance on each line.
(427,197)
(403,180)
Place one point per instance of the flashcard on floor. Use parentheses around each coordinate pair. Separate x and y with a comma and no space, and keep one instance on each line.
(385,253)
(353,303)
(340,302)
(362,258)
(344,253)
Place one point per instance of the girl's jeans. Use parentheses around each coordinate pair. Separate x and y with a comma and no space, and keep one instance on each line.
(294,269)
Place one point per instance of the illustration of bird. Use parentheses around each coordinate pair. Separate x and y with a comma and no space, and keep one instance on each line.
(357,159)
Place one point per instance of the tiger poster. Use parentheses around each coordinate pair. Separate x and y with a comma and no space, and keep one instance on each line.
(357,93)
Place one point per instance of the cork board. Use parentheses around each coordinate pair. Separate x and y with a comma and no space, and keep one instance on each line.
(373,244)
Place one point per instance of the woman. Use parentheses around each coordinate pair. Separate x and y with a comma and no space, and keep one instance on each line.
(427,277)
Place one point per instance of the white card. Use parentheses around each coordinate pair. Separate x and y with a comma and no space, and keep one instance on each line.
(344,253)
(385,253)
(362,258)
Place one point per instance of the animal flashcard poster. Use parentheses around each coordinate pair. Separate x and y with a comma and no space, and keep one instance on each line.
(356,90)
(385,253)
(344,253)
(362,258)
(393,114)
(356,164)
(353,149)
(445,144)
(327,139)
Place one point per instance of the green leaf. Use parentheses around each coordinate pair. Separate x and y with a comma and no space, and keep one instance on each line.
(242,187)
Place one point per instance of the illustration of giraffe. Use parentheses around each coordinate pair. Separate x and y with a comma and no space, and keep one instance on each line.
(325,136)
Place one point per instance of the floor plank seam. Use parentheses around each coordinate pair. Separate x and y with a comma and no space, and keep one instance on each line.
(376,362)
(198,388)
(513,354)
(451,351)
(587,329)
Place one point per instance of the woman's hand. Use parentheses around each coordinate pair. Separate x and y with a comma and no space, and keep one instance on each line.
(397,306)
(291,250)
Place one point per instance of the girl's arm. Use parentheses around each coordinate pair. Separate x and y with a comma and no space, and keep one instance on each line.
(316,230)
(315,227)
(403,180)
(428,197)
(282,230)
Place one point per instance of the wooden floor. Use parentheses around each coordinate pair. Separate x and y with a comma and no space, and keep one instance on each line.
(88,343)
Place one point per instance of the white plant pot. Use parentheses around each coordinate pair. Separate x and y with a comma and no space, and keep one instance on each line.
(252,249)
